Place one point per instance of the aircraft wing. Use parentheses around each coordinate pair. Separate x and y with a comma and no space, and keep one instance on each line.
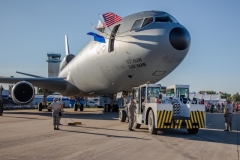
(52,84)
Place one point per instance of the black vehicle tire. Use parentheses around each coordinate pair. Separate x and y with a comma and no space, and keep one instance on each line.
(116,108)
(75,108)
(104,108)
(40,107)
(81,107)
(151,123)
(193,131)
(122,116)
(107,108)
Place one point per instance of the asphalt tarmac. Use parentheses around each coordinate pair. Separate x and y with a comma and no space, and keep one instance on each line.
(29,134)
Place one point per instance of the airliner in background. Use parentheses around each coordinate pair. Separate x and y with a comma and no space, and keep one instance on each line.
(140,48)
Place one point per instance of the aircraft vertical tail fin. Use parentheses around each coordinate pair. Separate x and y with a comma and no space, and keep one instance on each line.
(66,45)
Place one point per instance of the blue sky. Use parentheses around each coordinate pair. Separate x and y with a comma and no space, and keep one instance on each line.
(30,29)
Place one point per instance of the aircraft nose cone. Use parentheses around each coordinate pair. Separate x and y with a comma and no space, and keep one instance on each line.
(179,38)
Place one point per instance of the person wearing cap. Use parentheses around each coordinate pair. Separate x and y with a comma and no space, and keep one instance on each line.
(55,113)
(131,111)
(228,116)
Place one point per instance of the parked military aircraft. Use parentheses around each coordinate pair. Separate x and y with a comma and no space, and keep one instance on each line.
(142,47)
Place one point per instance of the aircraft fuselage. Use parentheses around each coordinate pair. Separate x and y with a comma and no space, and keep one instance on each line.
(129,57)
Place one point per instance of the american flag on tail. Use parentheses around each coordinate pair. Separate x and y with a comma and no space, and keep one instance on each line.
(111,18)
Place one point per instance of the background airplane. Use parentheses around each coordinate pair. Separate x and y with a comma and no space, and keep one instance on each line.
(141,47)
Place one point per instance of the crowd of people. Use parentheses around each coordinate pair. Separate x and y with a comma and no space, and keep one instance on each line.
(219,108)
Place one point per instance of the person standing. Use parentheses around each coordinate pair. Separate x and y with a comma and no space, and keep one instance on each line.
(1,106)
(228,116)
(60,109)
(223,108)
(131,111)
(55,113)
(218,107)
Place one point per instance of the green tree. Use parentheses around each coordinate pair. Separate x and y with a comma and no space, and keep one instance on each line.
(40,91)
(236,97)
(226,96)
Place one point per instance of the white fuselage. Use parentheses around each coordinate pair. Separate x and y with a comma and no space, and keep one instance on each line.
(138,57)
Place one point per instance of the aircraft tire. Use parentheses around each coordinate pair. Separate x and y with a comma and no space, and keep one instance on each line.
(81,107)
(193,131)
(40,107)
(75,107)
(151,123)
(122,116)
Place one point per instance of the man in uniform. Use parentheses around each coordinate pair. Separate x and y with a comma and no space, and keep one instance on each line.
(228,116)
(131,110)
(1,106)
(55,113)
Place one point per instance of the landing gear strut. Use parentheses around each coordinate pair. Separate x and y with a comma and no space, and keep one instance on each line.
(78,104)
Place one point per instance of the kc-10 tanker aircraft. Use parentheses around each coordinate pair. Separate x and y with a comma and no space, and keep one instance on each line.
(141,47)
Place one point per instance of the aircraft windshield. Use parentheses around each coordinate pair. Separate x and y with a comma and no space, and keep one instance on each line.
(137,25)
(163,19)
(147,21)
(166,19)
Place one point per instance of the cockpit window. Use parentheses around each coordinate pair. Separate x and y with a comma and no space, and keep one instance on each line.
(163,19)
(137,24)
(147,21)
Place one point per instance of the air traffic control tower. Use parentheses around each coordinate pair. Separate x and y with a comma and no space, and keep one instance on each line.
(53,60)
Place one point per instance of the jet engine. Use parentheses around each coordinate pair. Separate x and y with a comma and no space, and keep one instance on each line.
(23,93)
(66,60)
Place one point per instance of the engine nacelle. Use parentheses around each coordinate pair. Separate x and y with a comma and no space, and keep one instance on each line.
(23,93)
(66,60)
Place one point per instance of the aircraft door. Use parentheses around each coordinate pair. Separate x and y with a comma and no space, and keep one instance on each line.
(112,38)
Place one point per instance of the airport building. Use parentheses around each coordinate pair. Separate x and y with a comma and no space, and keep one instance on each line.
(53,60)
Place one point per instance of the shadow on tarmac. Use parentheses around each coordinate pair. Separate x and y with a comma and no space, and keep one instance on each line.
(95,114)
(212,133)
(107,135)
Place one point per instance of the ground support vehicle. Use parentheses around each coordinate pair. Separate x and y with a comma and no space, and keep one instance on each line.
(164,112)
